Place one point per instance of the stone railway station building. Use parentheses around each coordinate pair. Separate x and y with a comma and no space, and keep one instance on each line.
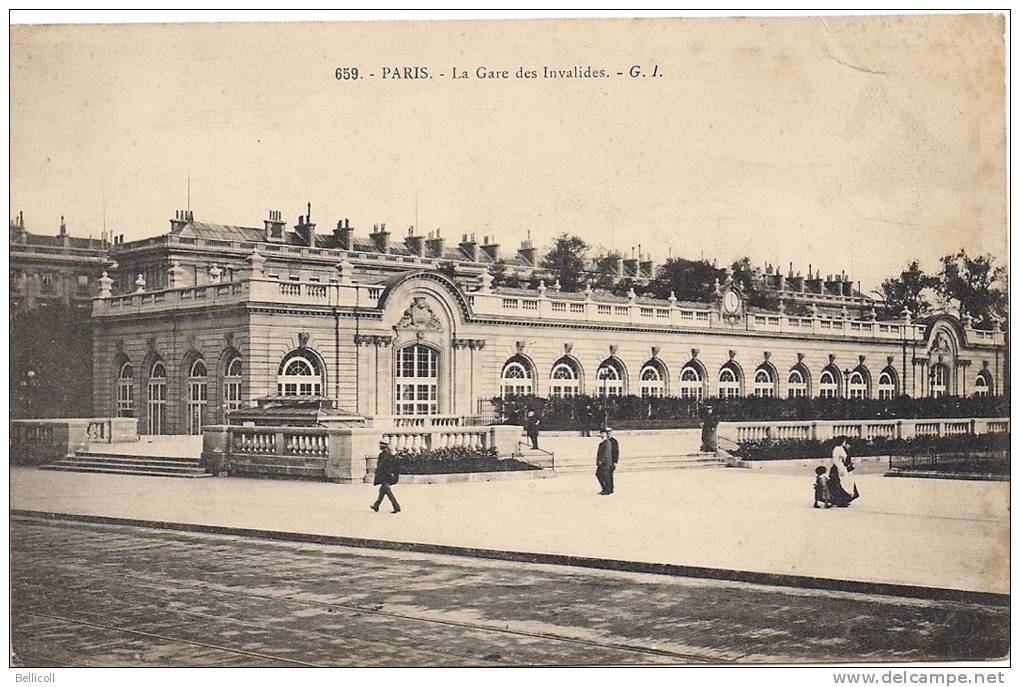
(208,318)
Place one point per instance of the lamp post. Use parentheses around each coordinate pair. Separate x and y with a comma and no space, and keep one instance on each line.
(28,387)
(846,382)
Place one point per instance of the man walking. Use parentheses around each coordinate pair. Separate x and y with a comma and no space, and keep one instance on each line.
(386,474)
(531,426)
(604,464)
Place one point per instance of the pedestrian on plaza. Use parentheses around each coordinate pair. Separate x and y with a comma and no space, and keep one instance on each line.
(531,426)
(387,473)
(821,488)
(709,427)
(615,453)
(604,464)
(842,485)
(587,419)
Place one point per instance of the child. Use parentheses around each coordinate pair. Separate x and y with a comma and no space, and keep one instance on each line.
(821,488)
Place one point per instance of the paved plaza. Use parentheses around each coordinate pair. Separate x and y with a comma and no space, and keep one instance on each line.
(132,596)
(932,533)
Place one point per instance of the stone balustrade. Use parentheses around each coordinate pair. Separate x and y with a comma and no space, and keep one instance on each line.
(37,442)
(824,430)
(342,452)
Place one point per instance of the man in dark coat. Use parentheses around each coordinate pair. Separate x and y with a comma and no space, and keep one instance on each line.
(387,473)
(709,427)
(587,419)
(604,464)
(615,453)
(531,426)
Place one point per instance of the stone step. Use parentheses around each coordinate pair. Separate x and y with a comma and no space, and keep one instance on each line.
(140,462)
(648,464)
(184,460)
(125,471)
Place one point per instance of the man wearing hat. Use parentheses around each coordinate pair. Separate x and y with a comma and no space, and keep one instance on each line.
(386,474)
(604,464)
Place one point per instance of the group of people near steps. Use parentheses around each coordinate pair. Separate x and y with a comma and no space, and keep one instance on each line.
(835,484)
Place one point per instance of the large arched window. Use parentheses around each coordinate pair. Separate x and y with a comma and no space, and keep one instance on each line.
(299,376)
(126,391)
(828,384)
(232,386)
(691,384)
(156,409)
(564,380)
(417,385)
(796,384)
(516,379)
(764,384)
(729,381)
(609,379)
(983,383)
(198,396)
(653,380)
(938,380)
(857,385)
(887,384)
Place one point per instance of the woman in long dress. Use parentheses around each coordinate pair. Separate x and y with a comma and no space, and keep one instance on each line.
(842,485)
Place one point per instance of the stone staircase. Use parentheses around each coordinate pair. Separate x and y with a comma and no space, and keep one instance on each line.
(130,464)
(640,451)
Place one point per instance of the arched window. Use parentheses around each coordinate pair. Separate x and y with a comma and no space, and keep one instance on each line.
(299,376)
(982,384)
(938,380)
(516,378)
(232,386)
(198,396)
(417,385)
(828,387)
(886,384)
(609,379)
(156,411)
(691,384)
(764,385)
(653,381)
(796,385)
(126,391)
(565,380)
(729,382)
(857,386)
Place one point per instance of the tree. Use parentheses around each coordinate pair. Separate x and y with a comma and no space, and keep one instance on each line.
(907,291)
(568,260)
(975,286)
(756,295)
(51,362)
(503,276)
(689,280)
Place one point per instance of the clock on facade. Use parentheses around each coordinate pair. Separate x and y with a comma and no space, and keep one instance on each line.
(731,302)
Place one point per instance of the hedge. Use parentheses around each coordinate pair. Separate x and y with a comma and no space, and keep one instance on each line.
(811,448)
(445,461)
(625,412)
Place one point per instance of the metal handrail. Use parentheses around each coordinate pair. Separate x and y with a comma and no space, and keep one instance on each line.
(520,454)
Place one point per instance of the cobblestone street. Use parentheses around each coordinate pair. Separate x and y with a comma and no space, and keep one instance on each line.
(102,595)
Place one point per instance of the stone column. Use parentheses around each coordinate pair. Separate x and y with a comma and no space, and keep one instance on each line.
(366,361)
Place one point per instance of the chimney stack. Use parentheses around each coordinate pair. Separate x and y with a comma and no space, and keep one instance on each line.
(305,228)
(470,247)
(415,244)
(344,234)
(491,248)
(435,245)
(380,237)
(646,268)
(275,226)
(527,252)
(181,219)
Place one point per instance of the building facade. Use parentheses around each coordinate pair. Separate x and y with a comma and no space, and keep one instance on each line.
(398,330)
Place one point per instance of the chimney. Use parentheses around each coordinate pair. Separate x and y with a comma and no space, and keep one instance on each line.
(305,228)
(646,268)
(630,267)
(181,219)
(415,244)
(380,237)
(527,252)
(470,247)
(275,226)
(616,264)
(435,245)
(491,248)
(344,234)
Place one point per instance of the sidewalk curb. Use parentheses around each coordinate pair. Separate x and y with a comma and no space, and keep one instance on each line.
(669,569)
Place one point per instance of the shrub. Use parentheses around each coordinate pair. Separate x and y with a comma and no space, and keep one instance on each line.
(811,448)
(444,461)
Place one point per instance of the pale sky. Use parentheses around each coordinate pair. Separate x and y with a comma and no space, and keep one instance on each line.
(847,143)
